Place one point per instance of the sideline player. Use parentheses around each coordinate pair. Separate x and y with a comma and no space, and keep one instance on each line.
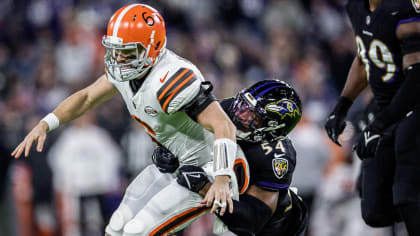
(388,59)
(264,114)
(168,96)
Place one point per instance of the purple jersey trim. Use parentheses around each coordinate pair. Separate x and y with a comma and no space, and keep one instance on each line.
(406,21)
(272,185)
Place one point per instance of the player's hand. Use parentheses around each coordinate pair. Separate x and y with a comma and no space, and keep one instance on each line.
(368,143)
(164,160)
(336,120)
(218,195)
(192,177)
(37,134)
(334,126)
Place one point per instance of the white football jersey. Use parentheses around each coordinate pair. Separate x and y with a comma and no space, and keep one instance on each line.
(171,84)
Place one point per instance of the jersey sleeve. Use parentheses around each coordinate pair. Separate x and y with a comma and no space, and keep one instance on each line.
(179,89)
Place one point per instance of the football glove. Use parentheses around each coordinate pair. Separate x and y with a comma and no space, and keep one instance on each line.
(336,120)
(192,177)
(164,160)
(368,142)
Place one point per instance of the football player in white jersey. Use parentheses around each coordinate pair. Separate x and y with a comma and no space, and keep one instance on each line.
(168,96)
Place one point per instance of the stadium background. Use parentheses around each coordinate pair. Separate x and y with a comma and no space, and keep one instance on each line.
(51,48)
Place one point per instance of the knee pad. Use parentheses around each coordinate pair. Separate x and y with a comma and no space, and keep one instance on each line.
(119,219)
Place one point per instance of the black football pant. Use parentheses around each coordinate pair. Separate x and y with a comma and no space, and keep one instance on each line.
(407,172)
(390,181)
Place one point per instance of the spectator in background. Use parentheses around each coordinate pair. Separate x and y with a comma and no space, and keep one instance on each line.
(138,149)
(312,155)
(86,166)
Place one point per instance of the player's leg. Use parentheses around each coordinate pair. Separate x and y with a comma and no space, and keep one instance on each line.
(169,211)
(376,186)
(148,183)
(407,176)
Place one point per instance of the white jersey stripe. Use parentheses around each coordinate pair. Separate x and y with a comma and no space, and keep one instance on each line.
(120,16)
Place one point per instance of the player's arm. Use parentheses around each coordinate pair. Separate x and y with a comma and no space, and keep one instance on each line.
(406,98)
(215,119)
(71,108)
(186,91)
(356,82)
(83,100)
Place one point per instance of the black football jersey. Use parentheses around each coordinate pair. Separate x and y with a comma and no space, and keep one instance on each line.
(377,44)
(271,164)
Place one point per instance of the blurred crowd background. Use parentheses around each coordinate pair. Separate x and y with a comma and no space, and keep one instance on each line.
(51,48)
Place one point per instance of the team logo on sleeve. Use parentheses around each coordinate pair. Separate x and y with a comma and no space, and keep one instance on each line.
(280,167)
(284,107)
(416,5)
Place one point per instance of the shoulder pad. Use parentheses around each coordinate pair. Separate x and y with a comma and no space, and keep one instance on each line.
(178,90)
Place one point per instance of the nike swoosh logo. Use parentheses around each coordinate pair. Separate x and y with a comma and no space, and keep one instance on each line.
(279,155)
(369,139)
(163,79)
(195,175)
(394,13)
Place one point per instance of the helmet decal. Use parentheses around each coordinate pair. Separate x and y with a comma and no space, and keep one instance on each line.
(284,107)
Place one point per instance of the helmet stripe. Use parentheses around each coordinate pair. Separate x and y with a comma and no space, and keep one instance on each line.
(262,85)
(119,18)
(265,91)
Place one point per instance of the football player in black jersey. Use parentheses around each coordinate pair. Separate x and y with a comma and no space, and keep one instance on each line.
(387,36)
(264,114)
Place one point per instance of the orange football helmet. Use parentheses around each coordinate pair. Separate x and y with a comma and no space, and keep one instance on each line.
(135,40)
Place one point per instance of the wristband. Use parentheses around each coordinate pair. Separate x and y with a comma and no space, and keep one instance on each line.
(52,121)
(224,155)
(343,105)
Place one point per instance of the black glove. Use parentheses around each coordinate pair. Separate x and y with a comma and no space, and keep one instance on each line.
(164,160)
(192,177)
(369,140)
(336,120)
